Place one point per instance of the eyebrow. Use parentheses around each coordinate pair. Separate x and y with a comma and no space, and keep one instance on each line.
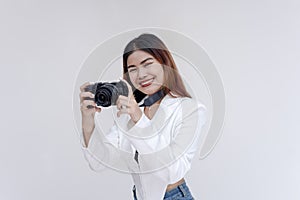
(141,62)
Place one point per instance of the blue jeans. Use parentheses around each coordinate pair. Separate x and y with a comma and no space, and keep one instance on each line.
(181,192)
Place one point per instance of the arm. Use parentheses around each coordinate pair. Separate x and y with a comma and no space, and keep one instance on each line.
(104,150)
(100,149)
(94,149)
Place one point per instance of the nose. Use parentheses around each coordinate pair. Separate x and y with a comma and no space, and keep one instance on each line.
(142,73)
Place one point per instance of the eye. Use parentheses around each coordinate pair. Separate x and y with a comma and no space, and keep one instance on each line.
(132,70)
(148,64)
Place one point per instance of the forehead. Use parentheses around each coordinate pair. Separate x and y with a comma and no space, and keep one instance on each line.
(137,57)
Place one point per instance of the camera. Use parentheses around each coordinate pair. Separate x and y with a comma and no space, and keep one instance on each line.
(107,93)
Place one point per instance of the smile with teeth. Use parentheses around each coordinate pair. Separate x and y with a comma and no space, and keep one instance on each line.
(147,83)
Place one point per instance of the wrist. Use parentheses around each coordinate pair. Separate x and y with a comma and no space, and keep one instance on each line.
(136,116)
(88,130)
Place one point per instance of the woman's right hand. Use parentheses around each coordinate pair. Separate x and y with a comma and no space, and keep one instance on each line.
(87,104)
(88,109)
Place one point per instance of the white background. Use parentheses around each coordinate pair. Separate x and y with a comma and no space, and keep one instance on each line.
(254,45)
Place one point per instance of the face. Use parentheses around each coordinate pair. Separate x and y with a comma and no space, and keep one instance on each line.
(145,72)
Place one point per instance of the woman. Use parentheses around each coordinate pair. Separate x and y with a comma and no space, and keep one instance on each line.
(161,123)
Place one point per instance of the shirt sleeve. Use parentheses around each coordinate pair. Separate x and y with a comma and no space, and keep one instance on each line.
(97,150)
(176,157)
(103,150)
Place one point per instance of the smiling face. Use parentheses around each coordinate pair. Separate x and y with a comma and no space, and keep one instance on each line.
(145,72)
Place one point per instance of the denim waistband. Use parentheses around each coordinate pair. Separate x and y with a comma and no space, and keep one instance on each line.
(182,188)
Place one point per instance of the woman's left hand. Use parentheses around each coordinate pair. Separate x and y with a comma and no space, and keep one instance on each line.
(128,105)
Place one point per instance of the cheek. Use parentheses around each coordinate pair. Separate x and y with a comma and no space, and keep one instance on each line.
(157,69)
(162,77)
(133,79)
(161,74)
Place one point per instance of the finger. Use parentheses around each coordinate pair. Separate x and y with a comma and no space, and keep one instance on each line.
(87,104)
(118,100)
(122,100)
(122,106)
(125,100)
(121,97)
(123,103)
(122,111)
(86,95)
(84,85)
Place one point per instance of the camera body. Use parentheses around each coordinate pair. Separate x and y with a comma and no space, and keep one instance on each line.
(107,93)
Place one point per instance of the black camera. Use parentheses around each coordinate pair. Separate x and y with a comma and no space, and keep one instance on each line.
(107,93)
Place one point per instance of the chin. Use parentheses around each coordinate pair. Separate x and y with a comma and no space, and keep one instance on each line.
(148,91)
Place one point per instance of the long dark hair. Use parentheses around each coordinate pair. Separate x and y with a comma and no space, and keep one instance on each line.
(151,44)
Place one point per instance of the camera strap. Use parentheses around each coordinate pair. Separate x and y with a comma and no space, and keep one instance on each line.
(153,98)
(148,102)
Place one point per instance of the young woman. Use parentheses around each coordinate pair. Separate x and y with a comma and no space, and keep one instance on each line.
(160,124)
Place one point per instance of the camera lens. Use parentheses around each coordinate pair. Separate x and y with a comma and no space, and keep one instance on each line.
(106,94)
(103,98)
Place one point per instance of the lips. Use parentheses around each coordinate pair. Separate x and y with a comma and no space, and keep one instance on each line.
(146,82)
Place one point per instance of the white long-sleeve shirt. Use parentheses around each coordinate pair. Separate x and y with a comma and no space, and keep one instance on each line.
(166,145)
